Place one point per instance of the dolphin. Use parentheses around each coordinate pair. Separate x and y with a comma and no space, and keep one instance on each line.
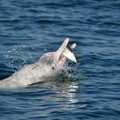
(49,64)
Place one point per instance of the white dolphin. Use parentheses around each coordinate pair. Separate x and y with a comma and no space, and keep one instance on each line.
(49,64)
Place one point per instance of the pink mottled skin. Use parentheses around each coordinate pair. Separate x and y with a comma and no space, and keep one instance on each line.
(49,64)
(60,58)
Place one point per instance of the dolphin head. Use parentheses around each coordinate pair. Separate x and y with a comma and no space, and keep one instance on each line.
(55,59)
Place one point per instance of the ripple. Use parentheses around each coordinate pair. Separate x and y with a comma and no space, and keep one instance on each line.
(31,28)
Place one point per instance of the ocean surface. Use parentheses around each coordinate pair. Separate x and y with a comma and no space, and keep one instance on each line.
(30,28)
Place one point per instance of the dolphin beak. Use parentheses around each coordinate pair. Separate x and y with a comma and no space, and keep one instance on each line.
(61,50)
(63,46)
(64,52)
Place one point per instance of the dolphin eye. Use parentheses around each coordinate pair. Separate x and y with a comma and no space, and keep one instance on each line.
(53,67)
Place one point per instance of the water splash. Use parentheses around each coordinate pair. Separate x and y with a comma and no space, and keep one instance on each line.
(19,56)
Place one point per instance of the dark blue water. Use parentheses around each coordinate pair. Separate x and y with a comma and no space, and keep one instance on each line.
(30,28)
